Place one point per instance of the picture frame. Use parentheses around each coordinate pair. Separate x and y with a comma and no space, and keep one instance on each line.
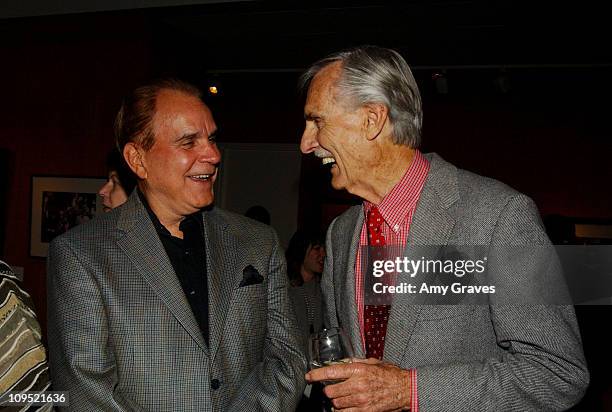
(58,204)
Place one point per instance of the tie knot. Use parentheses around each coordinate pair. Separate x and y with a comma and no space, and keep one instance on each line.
(374,223)
(374,216)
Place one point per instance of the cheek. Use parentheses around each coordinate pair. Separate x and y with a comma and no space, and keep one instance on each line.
(313,257)
(169,162)
(181,163)
(329,135)
(118,195)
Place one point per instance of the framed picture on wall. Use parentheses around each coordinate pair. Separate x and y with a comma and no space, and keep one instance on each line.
(59,204)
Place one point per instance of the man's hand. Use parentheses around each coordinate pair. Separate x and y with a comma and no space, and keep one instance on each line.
(368,385)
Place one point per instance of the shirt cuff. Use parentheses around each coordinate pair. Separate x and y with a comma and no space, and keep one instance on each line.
(414,398)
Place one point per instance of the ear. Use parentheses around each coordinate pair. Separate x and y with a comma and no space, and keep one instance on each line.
(376,117)
(133,155)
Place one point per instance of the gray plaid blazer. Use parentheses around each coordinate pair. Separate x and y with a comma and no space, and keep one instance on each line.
(122,336)
(468,357)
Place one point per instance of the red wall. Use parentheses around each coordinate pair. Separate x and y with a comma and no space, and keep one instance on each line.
(64,83)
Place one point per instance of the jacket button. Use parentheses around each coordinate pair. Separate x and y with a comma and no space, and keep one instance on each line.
(215,384)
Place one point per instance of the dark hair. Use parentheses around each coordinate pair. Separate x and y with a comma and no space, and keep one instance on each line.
(135,117)
(296,252)
(116,163)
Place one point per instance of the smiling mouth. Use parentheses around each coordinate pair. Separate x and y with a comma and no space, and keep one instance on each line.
(202,177)
(328,160)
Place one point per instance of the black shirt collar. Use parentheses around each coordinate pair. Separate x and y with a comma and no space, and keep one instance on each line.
(161,229)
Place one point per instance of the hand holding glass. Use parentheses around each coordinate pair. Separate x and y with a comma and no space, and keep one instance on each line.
(329,347)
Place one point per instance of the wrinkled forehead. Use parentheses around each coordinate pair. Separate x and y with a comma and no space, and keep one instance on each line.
(323,92)
(324,83)
(180,110)
(176,103)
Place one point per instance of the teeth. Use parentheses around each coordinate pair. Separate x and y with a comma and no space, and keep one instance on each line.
(201,177)
(327,160)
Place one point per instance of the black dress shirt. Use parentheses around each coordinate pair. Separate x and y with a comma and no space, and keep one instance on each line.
(188,258)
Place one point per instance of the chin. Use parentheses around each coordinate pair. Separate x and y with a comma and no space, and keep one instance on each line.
(200,199)
(205,202)
(337,185)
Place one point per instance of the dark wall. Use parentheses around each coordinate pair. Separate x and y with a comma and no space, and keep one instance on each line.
(63,81)
(6,168)
(546,136)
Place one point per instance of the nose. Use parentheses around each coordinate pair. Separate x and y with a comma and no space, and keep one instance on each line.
(105,189)
(309,140)
(210,153)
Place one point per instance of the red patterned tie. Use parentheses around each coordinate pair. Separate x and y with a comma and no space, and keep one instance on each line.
(376,316)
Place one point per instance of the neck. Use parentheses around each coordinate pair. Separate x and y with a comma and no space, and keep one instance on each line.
(307,275)
(388,169)
(166,217)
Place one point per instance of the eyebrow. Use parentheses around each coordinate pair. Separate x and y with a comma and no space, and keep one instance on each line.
(194,136)
(311,116)
(187,136)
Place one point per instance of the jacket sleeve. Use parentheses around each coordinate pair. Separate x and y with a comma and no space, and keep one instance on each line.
(543,366)
(277,382)
(81,361)
(330,317)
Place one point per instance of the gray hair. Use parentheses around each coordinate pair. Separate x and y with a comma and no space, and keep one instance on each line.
(373,74)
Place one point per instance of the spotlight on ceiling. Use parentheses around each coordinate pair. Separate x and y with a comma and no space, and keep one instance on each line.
(214,88)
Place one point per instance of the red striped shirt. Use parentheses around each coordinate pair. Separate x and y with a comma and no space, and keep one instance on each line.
(397,209)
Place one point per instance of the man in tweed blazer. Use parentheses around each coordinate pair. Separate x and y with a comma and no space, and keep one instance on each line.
(363,115)
(129,326)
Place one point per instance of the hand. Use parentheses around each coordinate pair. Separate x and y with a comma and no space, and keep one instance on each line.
(368,385)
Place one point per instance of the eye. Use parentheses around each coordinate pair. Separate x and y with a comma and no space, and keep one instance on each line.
(212,138)
(187,144)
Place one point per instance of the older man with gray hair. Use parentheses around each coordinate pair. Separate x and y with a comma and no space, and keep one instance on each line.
(363,116)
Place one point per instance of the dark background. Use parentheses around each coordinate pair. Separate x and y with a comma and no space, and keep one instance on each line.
(528,99)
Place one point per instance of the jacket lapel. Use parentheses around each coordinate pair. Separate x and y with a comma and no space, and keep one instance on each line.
(345,273)
(141,243)
(222,262)
(431,226)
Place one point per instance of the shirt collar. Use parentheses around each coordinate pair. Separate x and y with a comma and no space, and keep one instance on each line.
(161,229)
(403,198)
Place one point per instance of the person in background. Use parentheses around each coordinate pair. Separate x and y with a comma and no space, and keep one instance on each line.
(23,359)
(305,255)
(121,181)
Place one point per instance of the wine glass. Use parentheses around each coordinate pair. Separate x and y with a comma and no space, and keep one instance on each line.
(329,347)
